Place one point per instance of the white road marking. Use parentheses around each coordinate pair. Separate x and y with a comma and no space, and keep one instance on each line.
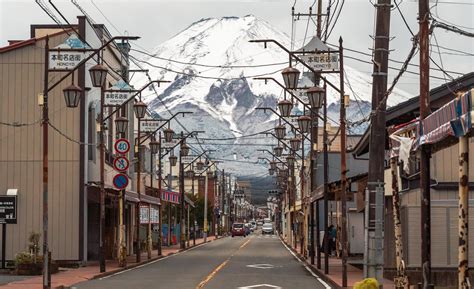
(261,266)
(260,285)
(152,262)
(306,267)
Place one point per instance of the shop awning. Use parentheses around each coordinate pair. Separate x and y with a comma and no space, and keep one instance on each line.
(132,196)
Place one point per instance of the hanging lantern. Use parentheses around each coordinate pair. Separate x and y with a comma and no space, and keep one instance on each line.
(290,160)
(190,174)
(291,76)
(304,123)
(168,133)
(154,146)
(315,96)
(140,109)
(295,143)
(271,171)
(173,160)
(278,151)
(72,95)
(199,166)
(98,75)
(285,107)
(280,131)
(184,149)
(273,165)
(121,124)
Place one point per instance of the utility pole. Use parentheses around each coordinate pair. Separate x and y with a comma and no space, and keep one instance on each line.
(160,208)
(206,184)
(374,258)
(326,182)
(343,167)
(424,21)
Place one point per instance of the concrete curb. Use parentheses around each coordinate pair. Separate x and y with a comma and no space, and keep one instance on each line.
(128,267)
(315,270)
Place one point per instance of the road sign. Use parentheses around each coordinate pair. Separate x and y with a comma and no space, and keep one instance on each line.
(121,163)
(122,146)
(321,61)
(8,209)
(120,181)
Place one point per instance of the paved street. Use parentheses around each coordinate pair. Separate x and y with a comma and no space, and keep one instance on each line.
(227,263)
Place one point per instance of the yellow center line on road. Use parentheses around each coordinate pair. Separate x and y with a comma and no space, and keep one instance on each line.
(218,268)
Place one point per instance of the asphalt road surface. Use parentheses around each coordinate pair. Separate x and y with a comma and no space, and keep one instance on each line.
(234,263)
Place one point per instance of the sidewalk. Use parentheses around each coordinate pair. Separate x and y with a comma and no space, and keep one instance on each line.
(334,277)
(68,277)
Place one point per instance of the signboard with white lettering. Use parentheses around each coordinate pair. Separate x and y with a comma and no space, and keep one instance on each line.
(116,98)
(169,144)
(188,159)
(150,125)
(144,211)
(8,209)
(301,94)
(154,215)
(322,61)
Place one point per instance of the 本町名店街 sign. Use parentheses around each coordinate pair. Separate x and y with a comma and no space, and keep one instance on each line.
(116,98)
(65,60)
(323,61)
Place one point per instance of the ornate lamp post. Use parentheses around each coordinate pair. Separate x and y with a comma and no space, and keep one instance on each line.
(280,131)
(285,106)
(291,76)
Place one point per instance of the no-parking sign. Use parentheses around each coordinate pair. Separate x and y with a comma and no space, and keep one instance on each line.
(120,181)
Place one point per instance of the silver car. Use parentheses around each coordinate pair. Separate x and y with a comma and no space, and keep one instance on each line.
(267,228)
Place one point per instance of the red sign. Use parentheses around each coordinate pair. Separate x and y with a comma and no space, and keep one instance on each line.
(122,146)
(171,197)
(121,163)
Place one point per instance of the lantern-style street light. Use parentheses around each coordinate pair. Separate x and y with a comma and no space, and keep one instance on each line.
(295,143)
(98,75)
(173,160)
(273,165)
(190,174)
(285,107)
(184,150)
(154,146)
(199,165)
(271,171)
(168,134)
(121,124)
(140,109)
(290,160)
(315,96)
(291,76)
(72,95)
(280,131)
(304,123)
(278,151)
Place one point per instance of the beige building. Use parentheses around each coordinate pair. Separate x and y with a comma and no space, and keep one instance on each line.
(73,151)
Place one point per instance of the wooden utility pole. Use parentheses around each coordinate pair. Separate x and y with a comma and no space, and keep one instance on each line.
(342,116)
(463,219)
(377,134)
(326,183)
(424,21)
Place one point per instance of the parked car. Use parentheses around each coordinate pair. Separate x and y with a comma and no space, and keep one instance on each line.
(238,229)
(253,225)
(267,228)
(259,223)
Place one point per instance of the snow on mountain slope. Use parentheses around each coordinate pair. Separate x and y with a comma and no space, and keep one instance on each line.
(211,64)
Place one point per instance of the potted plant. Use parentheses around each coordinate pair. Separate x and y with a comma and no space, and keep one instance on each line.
(31,263)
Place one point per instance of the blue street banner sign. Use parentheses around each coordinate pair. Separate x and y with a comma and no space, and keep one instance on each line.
(120,181)
(122,146)
(8,209)
(121,163)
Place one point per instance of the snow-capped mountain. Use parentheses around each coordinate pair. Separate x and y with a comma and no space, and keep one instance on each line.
(212,64)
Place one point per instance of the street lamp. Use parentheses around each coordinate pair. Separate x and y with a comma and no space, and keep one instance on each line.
(154,146)
(184,149)
(168,133)
(190,174)
(290,160)
(315,96)
(173,160)
(278,151)
(140,109)
(98,75)
(295,143)
(285,107)
(121,124)
(72,95)
(199,165)
(271,171)
(280,131)
(304,123)
(291,76)
(273,165)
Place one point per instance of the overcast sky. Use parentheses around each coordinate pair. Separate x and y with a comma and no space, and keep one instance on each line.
(156,21)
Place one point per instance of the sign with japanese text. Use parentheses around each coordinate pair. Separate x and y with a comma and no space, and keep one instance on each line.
(8,209)
(150,125)
(65,60)
(169,144)
(154,215)
(301,94)
(144,214)
(322,61)
(188,159)
(116,98)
